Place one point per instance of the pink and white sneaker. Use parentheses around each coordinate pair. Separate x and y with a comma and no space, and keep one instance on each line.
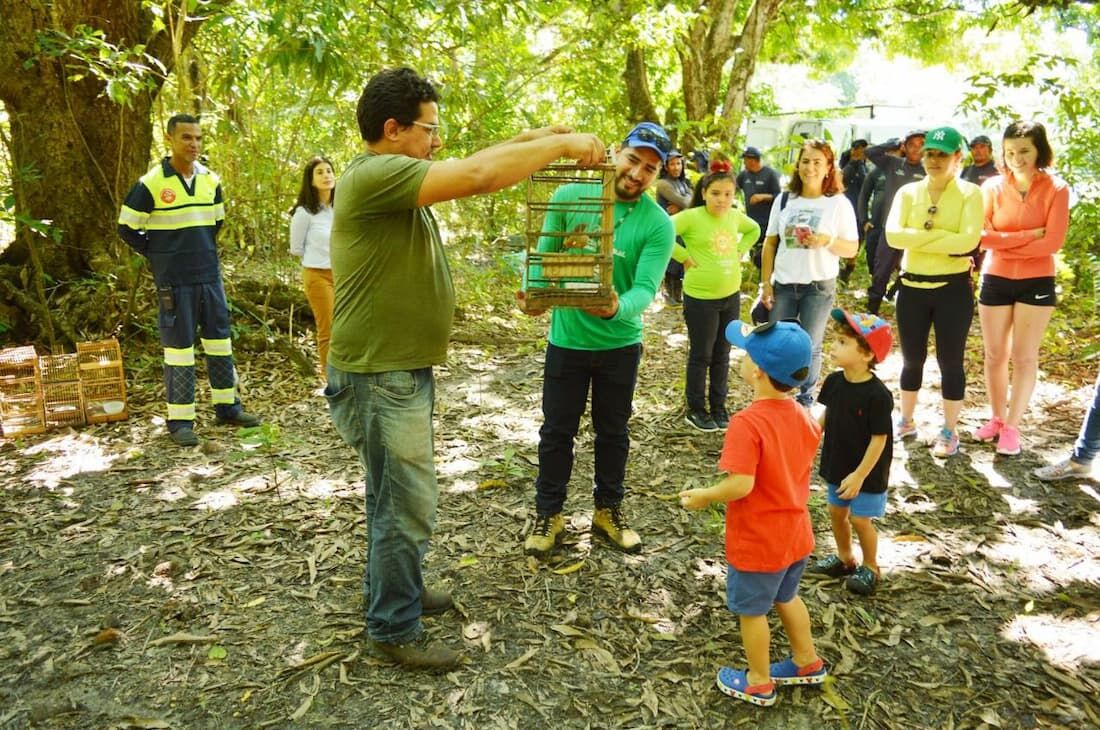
(1008,442)
(990,430)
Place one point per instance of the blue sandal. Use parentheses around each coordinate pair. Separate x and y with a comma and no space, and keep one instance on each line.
(787,672)
(735,683)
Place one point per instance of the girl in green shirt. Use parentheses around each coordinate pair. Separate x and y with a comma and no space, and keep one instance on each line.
(715,237)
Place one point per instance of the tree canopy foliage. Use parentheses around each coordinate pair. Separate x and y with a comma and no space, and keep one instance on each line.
(87,85)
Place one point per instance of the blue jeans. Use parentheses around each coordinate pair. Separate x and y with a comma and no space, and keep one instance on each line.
(708,350)
(1088,442)
(810,304)
(387,419)
(566,377)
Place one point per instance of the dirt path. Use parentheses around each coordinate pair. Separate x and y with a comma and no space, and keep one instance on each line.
(144,586)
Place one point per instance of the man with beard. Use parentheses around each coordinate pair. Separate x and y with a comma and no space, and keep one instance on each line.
(982,166)
(599,349)
(391,325)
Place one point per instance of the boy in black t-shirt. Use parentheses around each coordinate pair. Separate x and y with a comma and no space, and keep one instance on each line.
(857,447)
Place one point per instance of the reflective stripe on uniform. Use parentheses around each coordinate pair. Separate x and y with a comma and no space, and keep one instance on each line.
(180,357)
(181,411)
(171,220)
(223,396)
(133,218)
(222,347)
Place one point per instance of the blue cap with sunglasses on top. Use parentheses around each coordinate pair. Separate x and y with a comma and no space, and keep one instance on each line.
(653,136)
(781,349)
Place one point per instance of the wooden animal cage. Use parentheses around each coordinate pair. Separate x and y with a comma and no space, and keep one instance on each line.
(570,237)
(102,381)
(21,392)
(62,402)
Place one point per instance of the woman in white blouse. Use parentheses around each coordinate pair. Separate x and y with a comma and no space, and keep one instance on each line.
(309,240)
(811,228)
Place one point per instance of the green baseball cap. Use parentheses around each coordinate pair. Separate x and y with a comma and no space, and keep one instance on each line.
(944,139)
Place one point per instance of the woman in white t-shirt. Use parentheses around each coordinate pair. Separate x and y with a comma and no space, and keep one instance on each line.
(310,227)
(811,228)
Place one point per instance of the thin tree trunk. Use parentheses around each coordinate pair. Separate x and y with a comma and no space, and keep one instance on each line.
(750,44)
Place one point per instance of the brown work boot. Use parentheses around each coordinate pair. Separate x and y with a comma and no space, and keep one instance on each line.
(544,535)
(433,602)
(418,654)
(609,521)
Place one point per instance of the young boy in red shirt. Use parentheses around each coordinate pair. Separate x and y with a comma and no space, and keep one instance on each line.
(767,455)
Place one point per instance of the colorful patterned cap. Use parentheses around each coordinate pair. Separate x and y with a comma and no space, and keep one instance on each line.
(870,328)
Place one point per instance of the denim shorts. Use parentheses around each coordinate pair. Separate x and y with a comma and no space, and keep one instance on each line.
(752,594)
(863,505)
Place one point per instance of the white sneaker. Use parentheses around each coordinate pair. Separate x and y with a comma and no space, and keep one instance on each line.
(1064,469)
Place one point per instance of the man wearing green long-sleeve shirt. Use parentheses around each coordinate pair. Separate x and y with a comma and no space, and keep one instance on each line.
(600,349)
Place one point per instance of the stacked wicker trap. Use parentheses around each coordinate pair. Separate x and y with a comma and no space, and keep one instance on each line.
(37,393)
(21,392)
(570,237)
(102,380)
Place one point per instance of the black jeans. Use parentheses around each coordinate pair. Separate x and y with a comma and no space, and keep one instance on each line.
(567,375)
(948,309)
(708,351)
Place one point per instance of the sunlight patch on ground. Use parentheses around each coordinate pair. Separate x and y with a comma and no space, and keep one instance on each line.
(988,469)
(217,500)
(1067,643)
(1047,558)
(461,486)
(676,341)
(325,488)
(65,456)
(456,466)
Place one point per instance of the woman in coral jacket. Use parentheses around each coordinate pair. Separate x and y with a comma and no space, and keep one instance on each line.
(1026,215)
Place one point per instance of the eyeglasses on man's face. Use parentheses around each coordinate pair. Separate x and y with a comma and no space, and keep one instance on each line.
(433,129)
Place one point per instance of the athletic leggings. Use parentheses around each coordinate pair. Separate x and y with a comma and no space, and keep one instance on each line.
(949,310)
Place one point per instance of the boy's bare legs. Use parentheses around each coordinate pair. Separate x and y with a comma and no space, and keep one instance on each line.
(796,622)
(868,541)
(756,636)
(842,533)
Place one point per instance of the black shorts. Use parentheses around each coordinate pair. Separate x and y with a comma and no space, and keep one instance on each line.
(997,291)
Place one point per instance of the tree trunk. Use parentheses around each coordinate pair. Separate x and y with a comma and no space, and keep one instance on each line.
(744,64)
(75,152)
(639,97)
(703,54)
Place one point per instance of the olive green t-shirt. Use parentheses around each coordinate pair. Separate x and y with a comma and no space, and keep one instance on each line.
(394,294)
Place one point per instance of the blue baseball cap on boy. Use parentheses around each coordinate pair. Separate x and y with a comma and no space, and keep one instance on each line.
(653,136)
(781,349)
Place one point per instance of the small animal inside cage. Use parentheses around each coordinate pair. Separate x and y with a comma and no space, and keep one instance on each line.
(570,237)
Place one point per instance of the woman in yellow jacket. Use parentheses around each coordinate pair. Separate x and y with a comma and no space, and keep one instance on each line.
(937,223)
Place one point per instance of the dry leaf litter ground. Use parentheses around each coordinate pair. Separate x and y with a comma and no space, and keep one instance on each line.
(146,586)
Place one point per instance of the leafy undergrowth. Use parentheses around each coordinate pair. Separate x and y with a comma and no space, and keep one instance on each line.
(146,586)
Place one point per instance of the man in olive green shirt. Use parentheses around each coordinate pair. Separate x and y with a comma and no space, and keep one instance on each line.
(392,321)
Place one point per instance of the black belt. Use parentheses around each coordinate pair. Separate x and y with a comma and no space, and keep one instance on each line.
(935,278)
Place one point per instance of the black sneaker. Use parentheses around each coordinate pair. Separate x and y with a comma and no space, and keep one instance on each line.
(721,418)
(701,421)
